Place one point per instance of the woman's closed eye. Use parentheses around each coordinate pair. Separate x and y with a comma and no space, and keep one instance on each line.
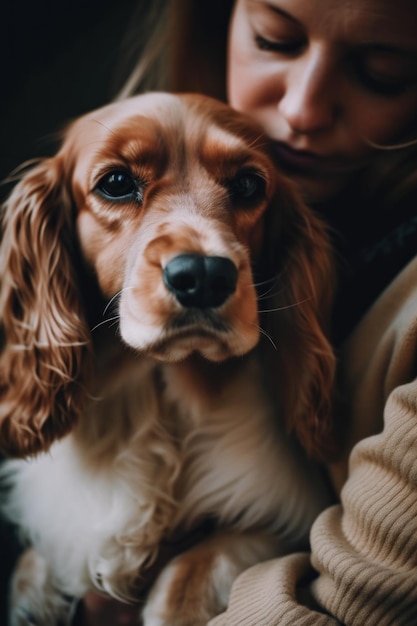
(381,84)
(388,78)
(382,73)
(284,46)
(274,30)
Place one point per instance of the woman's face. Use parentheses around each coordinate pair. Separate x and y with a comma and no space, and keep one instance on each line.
(325,78)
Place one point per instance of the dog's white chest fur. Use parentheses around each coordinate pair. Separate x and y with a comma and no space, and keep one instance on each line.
(152,455)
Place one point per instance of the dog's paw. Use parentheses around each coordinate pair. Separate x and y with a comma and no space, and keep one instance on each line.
(33,599)
(195,586)
(184,594)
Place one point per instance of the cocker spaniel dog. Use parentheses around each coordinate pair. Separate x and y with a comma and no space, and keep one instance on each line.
(140,266)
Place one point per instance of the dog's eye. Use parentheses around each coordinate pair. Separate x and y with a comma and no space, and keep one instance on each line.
(247,187)
(119,185)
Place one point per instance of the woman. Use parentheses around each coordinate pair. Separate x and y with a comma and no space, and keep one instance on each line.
(334,84)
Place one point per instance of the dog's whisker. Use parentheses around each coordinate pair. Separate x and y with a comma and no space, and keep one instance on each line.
(111,301)
(115,298)
(269,293)
(111,319)
(284,308)
(273,279)
(268,336)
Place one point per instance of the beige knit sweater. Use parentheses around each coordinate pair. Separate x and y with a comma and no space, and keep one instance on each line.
(363,566)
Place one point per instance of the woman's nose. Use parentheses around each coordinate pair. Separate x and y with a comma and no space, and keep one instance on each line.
(310,102)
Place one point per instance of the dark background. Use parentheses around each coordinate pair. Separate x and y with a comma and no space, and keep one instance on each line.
(58,59)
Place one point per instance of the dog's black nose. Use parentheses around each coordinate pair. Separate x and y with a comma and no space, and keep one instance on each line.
(200,281)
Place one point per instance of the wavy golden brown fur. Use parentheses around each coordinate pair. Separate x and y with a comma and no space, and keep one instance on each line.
(47,341)
(170,210)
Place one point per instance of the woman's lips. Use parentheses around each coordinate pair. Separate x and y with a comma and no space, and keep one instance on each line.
(305,162)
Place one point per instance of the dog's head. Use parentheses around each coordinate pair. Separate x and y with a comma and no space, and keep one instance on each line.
(176,205)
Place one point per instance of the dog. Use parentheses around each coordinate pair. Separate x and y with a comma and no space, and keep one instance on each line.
(164,300)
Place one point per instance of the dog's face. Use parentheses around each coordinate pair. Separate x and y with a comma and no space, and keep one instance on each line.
(170,197)
(172,201)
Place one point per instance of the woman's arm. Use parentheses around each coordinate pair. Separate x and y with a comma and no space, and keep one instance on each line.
(366,550)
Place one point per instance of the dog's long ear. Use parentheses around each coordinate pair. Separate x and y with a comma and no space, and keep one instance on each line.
(45,343)
(297,319)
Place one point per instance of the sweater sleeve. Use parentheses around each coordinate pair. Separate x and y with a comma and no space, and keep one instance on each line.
(365,550)
(265,595)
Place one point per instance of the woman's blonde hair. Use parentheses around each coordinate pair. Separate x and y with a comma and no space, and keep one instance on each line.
(177,45)
(181,46)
